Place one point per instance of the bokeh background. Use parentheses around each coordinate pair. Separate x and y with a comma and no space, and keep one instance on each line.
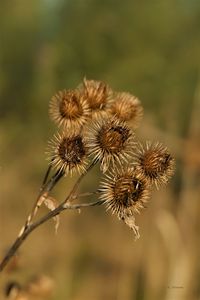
(149,48)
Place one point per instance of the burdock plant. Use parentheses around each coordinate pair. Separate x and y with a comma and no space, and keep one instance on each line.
(95,126)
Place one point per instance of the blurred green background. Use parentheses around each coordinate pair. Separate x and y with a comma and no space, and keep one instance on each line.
(149,48)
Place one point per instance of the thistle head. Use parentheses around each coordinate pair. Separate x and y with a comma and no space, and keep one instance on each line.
(110,141)
(70,109)
(127,107)
(68,152)
(155,163)
(98,95)
(124,190)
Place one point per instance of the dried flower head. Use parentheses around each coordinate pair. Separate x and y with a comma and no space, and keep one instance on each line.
(155,163)
(124,190)
(68,152)
(110,141)
(97,94)
(69,108)
(127,107)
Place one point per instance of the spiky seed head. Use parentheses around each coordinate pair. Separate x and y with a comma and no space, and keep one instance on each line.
(68,152)
(110,141)
(125,191)
(98,95)
(70,109)
(127,107)
(154,161)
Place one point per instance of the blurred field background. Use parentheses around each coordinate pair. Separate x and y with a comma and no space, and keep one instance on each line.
(149,48)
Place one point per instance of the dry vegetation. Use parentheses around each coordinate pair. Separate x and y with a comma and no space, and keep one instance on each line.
(94,256)
(150,48)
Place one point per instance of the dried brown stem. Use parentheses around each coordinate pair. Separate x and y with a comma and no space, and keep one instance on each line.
(29,227)
(46,188)
(75,187)
(86,194)
(46,175)
(18,242)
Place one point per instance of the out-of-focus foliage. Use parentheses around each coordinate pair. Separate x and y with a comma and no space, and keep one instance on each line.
(148,48)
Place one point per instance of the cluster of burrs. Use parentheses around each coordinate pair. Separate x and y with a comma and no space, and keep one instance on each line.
(96,126)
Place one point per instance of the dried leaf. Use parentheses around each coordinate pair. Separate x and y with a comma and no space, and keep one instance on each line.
(42,199)
(130,221)
(51,204)
(38,205)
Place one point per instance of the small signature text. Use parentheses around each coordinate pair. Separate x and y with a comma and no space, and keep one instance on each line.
(175,287)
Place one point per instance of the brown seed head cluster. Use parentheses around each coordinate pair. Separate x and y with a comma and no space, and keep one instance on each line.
(127,107)
(94,125)
(155,163)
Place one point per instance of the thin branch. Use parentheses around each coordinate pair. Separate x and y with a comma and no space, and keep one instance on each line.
(46,176)
(86,194)
(76,185)
(81,205)
(36,224)
(46,188)
(29,227)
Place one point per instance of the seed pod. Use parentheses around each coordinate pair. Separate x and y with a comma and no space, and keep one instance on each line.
(154,161)
(98,95)
(70,109)
(125,191)
(68,152)
(127,107)
(110,141)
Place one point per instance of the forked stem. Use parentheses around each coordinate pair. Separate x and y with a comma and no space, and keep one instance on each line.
(46,188)
(29,227)
(18,242)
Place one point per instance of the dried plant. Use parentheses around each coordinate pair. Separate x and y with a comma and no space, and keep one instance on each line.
(126,107)
(68,152)
(39,287)
(155,163)
(98,95)
(70,109)
(110,141)
(93,130)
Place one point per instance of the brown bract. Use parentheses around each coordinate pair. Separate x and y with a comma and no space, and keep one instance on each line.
(127,107)
(98,95)
(70,109)
(68,153)
(155,163)
(110,141)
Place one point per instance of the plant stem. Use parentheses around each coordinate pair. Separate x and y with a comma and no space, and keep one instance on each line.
(86,194)
(46,175)
(76,185)
(46,188)
(18,242)
(29,227)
